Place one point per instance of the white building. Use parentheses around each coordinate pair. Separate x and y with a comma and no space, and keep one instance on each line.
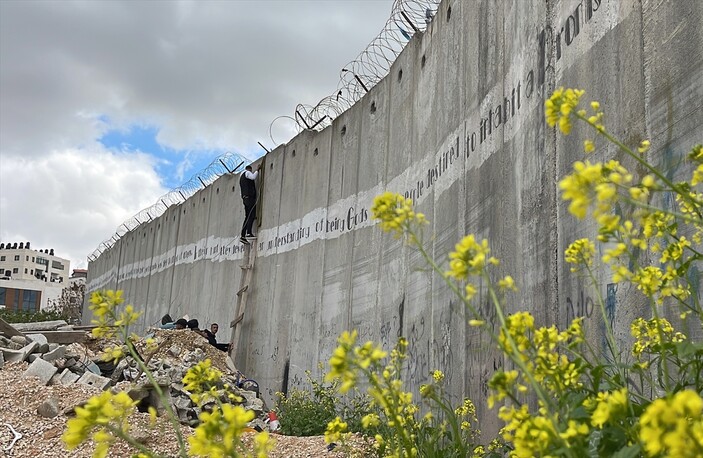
(30,278)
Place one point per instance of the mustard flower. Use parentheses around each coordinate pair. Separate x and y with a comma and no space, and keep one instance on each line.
(651,334)
(608,406)
(673,426)
(469,258)
(438,376)
(341,362)
(336,431)
(396,213)
(219,432)
(560,105)
(644,146)
(580,252)
(99,412)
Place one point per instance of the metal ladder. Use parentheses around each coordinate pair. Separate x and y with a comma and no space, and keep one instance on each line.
(247,267)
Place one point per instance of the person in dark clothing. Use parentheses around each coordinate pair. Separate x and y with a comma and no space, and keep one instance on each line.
(247,184)
(181,323)
(211,337)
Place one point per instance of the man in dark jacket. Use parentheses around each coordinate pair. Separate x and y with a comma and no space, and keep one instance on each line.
(247,184)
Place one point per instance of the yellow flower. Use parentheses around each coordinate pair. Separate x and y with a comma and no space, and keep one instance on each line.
(580,252)
(438,376)
(469,257)
(93,417)
(673,426)
(608,406)
(396,213)
(560,105)
(644,146)
(336,431)
(507,283)
(588,146)
(219,432)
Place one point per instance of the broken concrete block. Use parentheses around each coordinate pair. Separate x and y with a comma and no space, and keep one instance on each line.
(53,346)
(42,348)
(32,357)
(49,408)
(42,369)
(17,356)
(41,338)
(68,377)
(55,354)
(2,360)
(89,378)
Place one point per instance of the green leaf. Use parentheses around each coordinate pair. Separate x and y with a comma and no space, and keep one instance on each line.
(631,451)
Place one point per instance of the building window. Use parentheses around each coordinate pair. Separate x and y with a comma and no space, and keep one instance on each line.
(27,258)
(56,265)
(25,270)
(32,258)
(43,261)
(31,272)
(8,273)
(15,270)
(2,258)
(29,300)
(17,257)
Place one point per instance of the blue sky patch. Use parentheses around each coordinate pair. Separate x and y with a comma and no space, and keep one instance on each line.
(173,166)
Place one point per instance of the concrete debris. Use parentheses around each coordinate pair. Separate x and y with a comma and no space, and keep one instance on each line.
(175,352)
(41,338)
(89,378)
(39,326)
(41,369)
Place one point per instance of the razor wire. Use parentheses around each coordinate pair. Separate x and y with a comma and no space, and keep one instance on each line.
(407,18)
(226,163)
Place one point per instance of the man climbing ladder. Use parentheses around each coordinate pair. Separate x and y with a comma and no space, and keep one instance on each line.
(247,184)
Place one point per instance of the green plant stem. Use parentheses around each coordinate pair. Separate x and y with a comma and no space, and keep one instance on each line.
(654,170)
(164,401)
(131,441)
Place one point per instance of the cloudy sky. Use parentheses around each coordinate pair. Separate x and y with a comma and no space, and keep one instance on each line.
(105,106)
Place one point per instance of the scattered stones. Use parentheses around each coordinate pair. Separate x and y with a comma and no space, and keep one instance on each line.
(49,408)
(19,339)
(41,369)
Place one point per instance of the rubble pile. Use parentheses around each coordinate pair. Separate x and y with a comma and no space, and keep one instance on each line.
(41,384)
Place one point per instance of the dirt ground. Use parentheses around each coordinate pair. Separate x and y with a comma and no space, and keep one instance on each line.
(41,437)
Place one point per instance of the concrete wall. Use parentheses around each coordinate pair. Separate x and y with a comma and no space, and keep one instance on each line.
(458,124)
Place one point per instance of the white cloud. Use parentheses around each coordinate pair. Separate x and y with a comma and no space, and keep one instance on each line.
(72,199)
(205,74)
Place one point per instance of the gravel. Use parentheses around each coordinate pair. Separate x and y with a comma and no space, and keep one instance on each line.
(41,437)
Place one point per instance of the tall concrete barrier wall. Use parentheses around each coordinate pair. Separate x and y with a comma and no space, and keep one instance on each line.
(458,125)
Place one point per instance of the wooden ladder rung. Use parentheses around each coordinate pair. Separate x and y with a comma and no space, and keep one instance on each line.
(244,288)
(236,321)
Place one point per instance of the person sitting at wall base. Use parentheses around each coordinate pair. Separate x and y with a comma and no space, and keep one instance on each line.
(167,322)
(181,324)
